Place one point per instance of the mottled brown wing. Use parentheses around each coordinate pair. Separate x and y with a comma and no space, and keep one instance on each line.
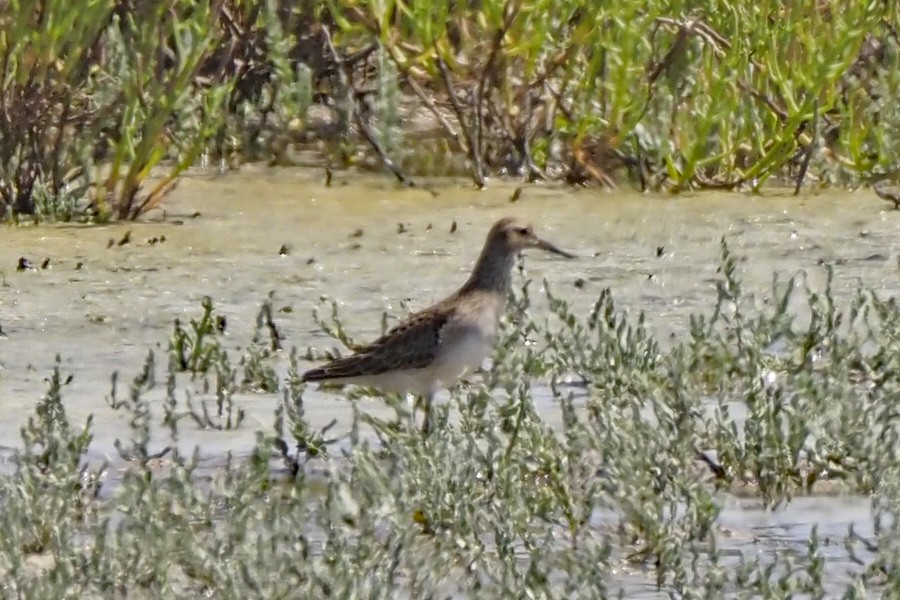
(412,344)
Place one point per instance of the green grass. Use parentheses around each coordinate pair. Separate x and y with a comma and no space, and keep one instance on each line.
(677,95)
(105,105)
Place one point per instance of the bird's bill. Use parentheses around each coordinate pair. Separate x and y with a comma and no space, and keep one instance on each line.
(545,245)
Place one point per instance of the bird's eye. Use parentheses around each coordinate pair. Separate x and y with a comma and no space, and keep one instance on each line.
(522,230)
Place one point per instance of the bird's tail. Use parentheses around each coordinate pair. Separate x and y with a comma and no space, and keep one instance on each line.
(340,368)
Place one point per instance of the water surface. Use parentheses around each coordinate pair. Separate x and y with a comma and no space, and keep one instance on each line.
(659,254)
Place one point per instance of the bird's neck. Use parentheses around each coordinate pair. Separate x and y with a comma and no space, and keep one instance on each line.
(492,272)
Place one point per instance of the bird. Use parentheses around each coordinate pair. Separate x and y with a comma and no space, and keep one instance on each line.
(432,349)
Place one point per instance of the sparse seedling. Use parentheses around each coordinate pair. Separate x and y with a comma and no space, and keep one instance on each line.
(196,349)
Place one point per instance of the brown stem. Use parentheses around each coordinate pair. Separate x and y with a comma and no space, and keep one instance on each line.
(488,74)
(454,102)
(364,128)
(808,149)
(430,105)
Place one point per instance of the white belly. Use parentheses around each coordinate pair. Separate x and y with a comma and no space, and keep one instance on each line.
(465,353)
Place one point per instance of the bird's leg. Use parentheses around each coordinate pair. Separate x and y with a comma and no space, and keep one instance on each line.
(427,420)
(412,403)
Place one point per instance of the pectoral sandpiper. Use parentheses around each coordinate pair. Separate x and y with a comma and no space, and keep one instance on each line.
(433,348)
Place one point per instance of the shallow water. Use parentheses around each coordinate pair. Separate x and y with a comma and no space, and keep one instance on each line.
(659,254)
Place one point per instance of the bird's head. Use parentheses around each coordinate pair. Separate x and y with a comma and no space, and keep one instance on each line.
(515,235)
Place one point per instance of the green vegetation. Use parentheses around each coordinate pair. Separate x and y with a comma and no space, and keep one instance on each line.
(496,502)
(104,104)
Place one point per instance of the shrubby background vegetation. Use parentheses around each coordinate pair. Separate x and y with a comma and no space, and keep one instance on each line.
(104,103)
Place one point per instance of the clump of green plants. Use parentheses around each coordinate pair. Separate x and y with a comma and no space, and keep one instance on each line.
(673,96)
(54,492)
(197,348)
(105,106)
(259,375)
(98,98)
